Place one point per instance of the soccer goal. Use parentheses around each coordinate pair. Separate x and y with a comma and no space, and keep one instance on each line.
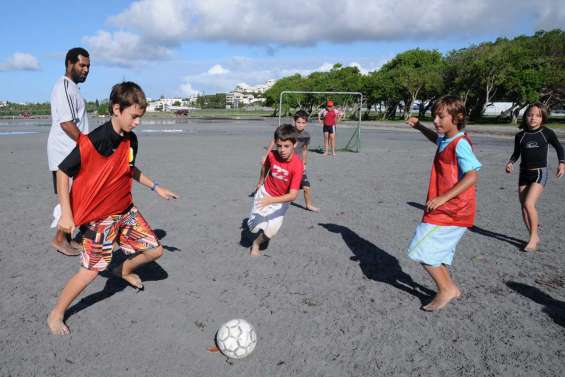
(348,131)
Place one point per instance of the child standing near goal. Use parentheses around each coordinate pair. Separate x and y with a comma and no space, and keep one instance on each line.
(100,201)
(531,144)
(279,183)
(450,204)
(329,117)
(301,151)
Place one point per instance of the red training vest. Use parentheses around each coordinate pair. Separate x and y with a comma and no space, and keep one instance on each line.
(460,210)
(102,186)
(330,117)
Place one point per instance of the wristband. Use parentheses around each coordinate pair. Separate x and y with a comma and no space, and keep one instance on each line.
(155,184)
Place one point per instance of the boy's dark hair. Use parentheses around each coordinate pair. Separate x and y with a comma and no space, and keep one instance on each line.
(73,53)
(544,114)
(126,94)
(454,107)
(286,132)
(301,114)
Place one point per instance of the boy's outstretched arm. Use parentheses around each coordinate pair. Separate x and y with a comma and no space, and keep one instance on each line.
(154,186)
(66,222)
(290,197)
(470,178)
(431,135)
(269,149)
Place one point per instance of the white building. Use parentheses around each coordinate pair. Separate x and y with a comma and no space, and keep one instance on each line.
(244,94)
(170,104)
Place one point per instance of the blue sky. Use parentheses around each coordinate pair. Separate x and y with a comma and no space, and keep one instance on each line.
(179,47)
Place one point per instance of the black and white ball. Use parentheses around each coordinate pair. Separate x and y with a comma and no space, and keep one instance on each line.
(236,338)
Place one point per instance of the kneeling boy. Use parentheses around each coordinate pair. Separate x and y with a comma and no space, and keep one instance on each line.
(100,200)
(278,189)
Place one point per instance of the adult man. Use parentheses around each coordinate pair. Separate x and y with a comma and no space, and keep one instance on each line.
(68,120)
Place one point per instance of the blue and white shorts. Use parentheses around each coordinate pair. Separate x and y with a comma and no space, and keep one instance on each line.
(435,245)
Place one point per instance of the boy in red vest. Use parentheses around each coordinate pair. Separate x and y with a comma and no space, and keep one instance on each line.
(328,118)
(450,204)
(100,202)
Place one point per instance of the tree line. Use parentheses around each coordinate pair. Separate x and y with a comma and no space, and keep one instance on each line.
(520,71)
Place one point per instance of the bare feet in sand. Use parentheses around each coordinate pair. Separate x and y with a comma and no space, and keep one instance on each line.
(442,299)
(532,245)
(65,248)
(254,251)
(56,325)
(313,209)
(132,279)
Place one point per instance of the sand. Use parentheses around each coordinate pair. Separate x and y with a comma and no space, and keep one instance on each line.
(334,294)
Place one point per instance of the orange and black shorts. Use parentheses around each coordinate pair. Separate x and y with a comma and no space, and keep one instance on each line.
(129,230)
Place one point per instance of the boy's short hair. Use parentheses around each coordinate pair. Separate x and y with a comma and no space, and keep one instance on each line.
(301,114)
(544,114)
(454,107)
(73,53)
(286,132)
(126,94)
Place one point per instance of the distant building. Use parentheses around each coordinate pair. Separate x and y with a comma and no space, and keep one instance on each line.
(170,104)
(244,95)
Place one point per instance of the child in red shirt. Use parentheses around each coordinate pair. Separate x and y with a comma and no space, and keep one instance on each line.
(101,203)
(278,189)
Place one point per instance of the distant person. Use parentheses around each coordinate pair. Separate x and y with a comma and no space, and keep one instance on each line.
(279,183)
(531,145)
(301,151)
(68,120)
(101,203)
(450,204)
(328,118)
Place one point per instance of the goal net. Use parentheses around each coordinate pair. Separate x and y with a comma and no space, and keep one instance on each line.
(348,104)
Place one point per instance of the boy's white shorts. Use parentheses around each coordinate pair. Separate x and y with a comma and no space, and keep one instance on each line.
(268,219)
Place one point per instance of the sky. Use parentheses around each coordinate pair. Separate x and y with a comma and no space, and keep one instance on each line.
(176,48)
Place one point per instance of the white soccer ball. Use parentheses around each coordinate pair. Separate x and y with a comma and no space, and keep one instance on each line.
(236,338)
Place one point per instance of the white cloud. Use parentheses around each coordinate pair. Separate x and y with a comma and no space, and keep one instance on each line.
(20,61)
(218,70)
(123,48)
(295,22)
(187,89)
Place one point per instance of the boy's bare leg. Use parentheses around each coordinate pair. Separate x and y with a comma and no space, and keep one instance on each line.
(332,142)
(254,251)
(534,192)
(308,200)
(62,245)
(446,288)
(72,289)
(125,270)
(326,143)
(522,194)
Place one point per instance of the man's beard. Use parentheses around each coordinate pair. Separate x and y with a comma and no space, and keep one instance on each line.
(77,77)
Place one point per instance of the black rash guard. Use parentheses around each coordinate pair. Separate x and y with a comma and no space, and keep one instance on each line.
(531,147)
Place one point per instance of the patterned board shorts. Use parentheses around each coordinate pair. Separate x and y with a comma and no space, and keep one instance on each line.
(129,229)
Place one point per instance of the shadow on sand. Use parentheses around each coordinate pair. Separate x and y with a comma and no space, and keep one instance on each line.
(378,265)
(160,233)
(148,272)
(555,309)
(484,232)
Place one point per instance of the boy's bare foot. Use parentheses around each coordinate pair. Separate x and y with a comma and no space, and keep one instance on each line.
(254,251)
(56,325)
(76,245)
(333,154)
(65,248)
(532,245)
(313,209)
(441,300)
(132,279)
(325,154)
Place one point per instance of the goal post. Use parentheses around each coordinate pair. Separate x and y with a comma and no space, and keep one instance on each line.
(348,136)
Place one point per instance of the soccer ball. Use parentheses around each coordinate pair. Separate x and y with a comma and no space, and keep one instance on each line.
(236,338)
